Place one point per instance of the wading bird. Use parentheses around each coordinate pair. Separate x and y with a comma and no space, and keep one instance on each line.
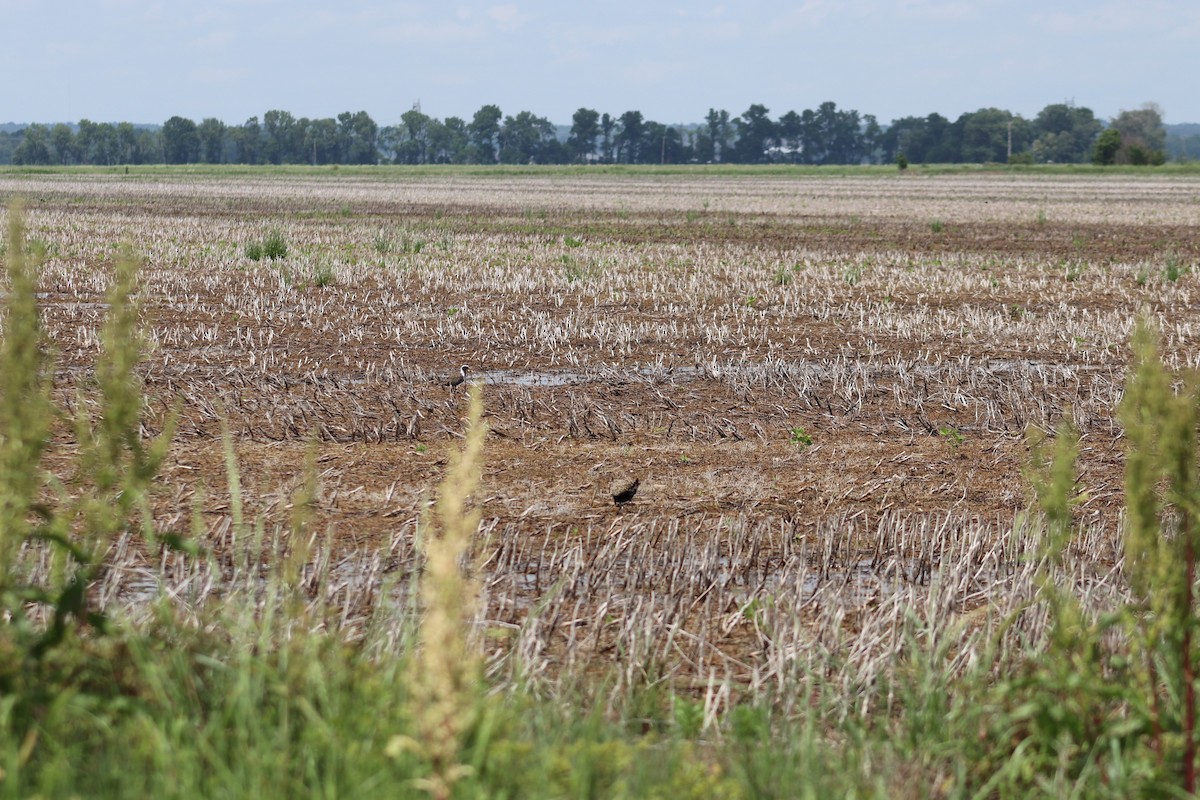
(455,380)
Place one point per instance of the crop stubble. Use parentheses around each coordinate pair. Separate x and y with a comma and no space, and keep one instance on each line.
(692,330)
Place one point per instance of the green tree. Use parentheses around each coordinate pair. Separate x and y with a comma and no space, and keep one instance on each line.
(104,146)
(412,147)
(528,139)
(990,134)
(322,141)
(841,130)
(34,149)
(585,129)
(943,140)
(358,138)
(702,145)
(282,138)
(247,142)
(138,145)
(1064,134)
(484,133)
(829,135)
(1143,137)
(897,138)
(705,140)
(630,135)
(872,133)
(127,144)
(9,140)
(1107,145)
(448,141)
(608,126)
(62,144)
(788,129)
(211,132)
(932,139)
(180,141)
(721,131)
(87,142)
(755,133)
(662,144)
(149,146)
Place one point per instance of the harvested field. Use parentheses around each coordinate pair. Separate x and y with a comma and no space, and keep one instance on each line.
(824,386)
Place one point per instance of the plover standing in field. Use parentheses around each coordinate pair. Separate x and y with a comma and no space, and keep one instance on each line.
(623,489)
(455,381)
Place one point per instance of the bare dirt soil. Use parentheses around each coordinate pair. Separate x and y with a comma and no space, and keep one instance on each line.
(773,377)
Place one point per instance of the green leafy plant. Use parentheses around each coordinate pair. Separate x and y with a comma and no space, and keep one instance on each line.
(1173,268)
(1162,544)
(937,226)
(114,470)
(275,246)
(688,717)
(1087,708)
(323,274)
(951,434)
(798,435)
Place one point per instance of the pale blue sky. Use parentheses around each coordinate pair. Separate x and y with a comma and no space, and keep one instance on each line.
(143,61)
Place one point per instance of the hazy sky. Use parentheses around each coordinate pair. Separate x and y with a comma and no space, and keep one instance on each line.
(143,61)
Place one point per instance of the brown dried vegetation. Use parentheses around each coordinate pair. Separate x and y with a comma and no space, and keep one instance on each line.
(677,329)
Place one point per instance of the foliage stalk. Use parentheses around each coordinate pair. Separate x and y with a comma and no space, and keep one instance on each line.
(446,671)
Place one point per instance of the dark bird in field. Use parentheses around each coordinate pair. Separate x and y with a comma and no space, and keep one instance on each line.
(456,380)
(623,490)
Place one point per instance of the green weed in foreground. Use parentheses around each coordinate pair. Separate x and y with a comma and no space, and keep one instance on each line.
(113,475)
(259,694)
(1109,709)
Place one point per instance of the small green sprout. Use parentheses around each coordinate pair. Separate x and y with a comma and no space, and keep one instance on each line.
(800,436)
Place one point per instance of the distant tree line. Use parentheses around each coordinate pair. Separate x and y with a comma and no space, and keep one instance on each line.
(1061,133)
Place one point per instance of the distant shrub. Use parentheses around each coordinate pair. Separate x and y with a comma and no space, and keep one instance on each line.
(901,162)
(254,251)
